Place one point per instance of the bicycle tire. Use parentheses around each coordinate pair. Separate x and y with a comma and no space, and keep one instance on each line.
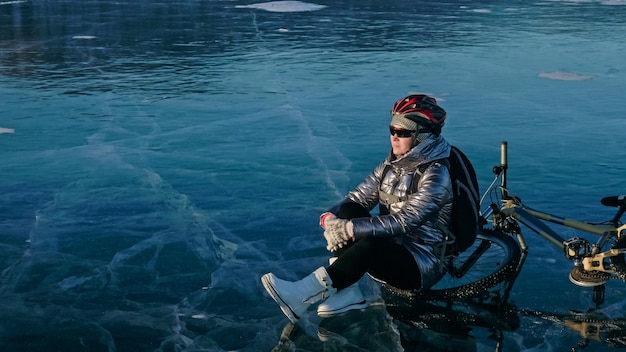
(499,263)
(618,262)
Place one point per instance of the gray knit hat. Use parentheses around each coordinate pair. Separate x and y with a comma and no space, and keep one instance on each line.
(404,122)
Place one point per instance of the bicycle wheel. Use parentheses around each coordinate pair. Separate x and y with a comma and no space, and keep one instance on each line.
(498,263)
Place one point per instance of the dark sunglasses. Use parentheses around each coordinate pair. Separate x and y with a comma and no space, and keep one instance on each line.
(401,133)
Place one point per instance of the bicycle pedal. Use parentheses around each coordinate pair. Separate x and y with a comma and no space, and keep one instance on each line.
(581,277)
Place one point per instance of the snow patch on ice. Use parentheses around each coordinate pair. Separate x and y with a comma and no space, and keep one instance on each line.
(284,6)
(601,2)
(614,2)
(565,76)
(11,2)
(84,37)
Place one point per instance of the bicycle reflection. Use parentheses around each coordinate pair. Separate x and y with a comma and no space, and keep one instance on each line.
(396,324)
(452,325)
(593,326)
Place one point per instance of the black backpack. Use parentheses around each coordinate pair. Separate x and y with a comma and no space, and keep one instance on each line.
(466,202)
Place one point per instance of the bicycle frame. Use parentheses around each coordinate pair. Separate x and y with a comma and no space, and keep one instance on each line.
(512,211)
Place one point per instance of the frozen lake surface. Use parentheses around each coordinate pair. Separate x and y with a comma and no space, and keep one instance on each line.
(159,157)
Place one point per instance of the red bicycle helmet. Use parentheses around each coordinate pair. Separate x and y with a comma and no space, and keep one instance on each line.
(421,109)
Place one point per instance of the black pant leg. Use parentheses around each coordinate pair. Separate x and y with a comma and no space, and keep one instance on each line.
(383,258)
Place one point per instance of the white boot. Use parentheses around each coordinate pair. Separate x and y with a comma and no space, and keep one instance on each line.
(295,297)
(344,300)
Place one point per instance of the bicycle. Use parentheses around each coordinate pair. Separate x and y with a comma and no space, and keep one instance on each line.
(497,255)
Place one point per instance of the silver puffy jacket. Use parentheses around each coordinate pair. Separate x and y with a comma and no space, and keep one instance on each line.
(410,217)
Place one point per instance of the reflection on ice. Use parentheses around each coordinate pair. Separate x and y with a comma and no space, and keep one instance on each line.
(371,329)
(284,6)
(488,323)
(588,330)
(391,325)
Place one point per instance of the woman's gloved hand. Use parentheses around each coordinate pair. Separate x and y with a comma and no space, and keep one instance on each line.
(338,232)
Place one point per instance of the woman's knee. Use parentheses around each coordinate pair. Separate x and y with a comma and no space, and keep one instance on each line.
(374,243)
(367,244)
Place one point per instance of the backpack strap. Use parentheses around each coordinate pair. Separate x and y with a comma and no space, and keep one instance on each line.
(384,197)
(388,199)
(422,168)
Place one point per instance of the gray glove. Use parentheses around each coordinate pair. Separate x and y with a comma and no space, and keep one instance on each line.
(338,233)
